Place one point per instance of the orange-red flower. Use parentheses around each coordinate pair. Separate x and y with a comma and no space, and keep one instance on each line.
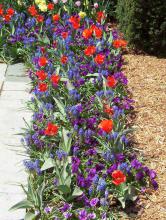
(7,18)
(56,17)
(40,18)
(111,81)
(64,59)
(108,110)
(41,75)
(55,79)
(98,32)
(42,87)
(50,6)
(42,61)
(90,50)
(51,129)
(32,10)
(106,125)
(10,11)
(87,33)
(119,43)
(75,21)
(100,16)
(64,35)
(118,177)
(1,11)
(99,59)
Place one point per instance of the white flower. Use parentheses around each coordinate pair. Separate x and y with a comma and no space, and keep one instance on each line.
(96,5)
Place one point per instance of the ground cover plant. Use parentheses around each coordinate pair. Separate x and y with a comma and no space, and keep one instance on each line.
(81,163)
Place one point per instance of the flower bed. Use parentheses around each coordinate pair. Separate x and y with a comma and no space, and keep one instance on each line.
(81,163)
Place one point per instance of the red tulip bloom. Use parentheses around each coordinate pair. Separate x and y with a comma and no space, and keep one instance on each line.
(118,177)
(42,87)
(10,11)
(99,59)
(108,110)
(7,18)
(56,17)
(100,16)
(41,75)
(55,79)
(64,35)
(87,33)
(40,18)
(32,10)
(64,59)
(119,43)
(50,6)
(1,11)
(90,50)
(97,31)
(106,125)
(75,21)
(51,129)
(111,81)
(42,61)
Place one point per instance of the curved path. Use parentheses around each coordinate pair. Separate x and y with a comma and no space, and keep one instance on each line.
(147,80)
(13,95)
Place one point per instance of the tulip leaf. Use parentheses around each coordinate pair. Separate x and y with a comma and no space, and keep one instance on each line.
(49,163)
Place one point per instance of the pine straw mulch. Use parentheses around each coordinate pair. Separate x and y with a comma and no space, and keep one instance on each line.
(147,82)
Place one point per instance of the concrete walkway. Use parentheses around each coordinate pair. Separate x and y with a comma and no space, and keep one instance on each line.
(13,95)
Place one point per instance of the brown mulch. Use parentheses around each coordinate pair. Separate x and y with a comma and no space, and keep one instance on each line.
(147,82)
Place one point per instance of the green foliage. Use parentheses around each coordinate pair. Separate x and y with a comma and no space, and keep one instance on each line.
(144,24)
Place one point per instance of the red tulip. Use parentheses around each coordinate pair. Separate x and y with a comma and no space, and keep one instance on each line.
(10,11)
(108,110)
(100,16)
(87,33)
(118,177)
(99,59)
(64,59)
(41,75)
(90,50)
(32,10)
(55,79)
(119,43)
(56,17)
(51,129)
(111,81)
(42,61)
(64,35)
(42,87)
(75,21)
(50,6)
(106,125)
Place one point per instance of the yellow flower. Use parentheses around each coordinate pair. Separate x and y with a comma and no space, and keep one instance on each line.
(82,14)
(42,7)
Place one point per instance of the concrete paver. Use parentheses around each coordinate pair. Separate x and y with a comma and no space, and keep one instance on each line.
(12,111)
